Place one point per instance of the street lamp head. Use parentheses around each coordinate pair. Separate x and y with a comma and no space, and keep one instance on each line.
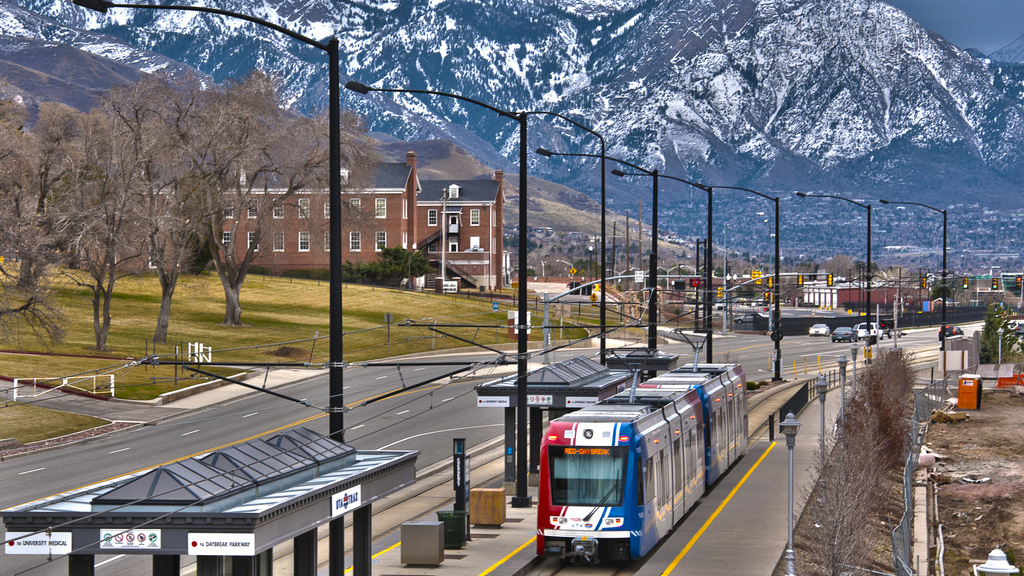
(853,351)
(842,361)
(802,194)
(350,85)
(97,5)
(883,201)
(618,172)
(790,427)
(822,387)
(996,564)
(545,152)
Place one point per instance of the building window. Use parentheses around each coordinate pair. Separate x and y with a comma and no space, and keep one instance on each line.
(303,241)
(327,241)
(303,205)
(355,203)
(355,241)
(474,244)
(225,237)
(431,217)
(453,245)
(380,209)
(251,238)
(474,217)
(229,211)
(327,208)
(432,249)
(251,211)
(278,241)
(278,211)
(382,241)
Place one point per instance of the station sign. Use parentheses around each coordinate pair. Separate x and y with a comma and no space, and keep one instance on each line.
(37,543)
(141,539)
(212,544)
(493,402)
(346,501)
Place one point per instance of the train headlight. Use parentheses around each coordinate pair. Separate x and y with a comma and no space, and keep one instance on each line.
(611,523)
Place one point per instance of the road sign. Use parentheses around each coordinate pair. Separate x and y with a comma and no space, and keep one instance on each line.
(572,271)
(638,276)
(593,296)
(494,306)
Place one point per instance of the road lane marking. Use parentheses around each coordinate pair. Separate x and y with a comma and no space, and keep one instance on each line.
(192,432)
(506,558)
(714,515)
(418,369)
(109,560)
(445,431)
(30,471)
(381,377)
(447,399)
(402,412)
(116,451)
(357,427)
(378,554)
(253,414)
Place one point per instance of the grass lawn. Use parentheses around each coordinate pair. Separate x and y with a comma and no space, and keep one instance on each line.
(282,315)
(27,423)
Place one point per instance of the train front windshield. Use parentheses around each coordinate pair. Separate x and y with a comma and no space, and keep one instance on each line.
(586,475)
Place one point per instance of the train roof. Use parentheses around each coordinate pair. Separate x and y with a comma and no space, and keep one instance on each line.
(620,408)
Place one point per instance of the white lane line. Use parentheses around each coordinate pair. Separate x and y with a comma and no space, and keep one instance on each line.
(253,414)
(30,471)
(357,427)
(402,412)
(192,432)
(116,451)
(447,399)
(381,377)
(109,560)
(444,431)
(418,369)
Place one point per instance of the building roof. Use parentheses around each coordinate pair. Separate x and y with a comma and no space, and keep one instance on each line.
(471,191)
(391,175)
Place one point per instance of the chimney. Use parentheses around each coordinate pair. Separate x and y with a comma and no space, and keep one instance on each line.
(499,176)
(410,159)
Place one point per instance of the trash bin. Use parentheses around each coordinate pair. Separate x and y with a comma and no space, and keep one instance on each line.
(454,527)
(969,392)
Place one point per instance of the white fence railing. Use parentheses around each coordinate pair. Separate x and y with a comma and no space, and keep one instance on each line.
(100,384)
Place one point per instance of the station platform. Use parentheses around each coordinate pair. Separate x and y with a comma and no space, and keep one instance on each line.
(742,519)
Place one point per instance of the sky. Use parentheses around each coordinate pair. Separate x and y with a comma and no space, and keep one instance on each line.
(987,25)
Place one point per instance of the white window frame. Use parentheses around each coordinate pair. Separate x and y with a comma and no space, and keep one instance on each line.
(356,203)
(432,217)
(304,241)
(252,211)
(302,205)
(225,237)
(355,241)
(380,241)
(327,241)
(249,238)
(380,207)
(277,212)
(474,217)
(327,208)
(278,241)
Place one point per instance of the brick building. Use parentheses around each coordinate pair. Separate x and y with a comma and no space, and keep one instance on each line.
(397,209)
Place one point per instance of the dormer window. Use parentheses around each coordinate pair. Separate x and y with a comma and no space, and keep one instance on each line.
(453,191)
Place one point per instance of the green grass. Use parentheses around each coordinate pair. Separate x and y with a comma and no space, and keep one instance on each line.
(281,315)
(27,423)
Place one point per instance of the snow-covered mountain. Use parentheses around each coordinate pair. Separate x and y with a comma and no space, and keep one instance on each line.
(838,95)
(1011,53)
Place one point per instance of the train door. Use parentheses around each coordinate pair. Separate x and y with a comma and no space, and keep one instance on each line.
(664,492)
(678,480)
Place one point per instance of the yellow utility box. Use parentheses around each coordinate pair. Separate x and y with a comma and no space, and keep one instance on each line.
(968,395)
(487,506)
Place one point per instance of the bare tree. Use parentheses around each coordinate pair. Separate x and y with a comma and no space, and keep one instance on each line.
(26,300)
(839,265)
(98,213)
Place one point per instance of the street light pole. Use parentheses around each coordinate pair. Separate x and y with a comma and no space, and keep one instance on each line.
(776,334)
(867,292)
(790,427)
(521,498)
(336,374)
(942,330)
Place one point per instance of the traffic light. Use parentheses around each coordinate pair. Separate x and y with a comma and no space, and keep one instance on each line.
(721,292)
(767,297)
(924,282)
(771,281)
(1017,281)
(757,277)
(966,284)
(995,283)
(830,280)
(799,279)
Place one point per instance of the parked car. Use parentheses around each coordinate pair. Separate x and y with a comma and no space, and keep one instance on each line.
(819,330)
(950,330)
(750,317)
(844,334)
(1017,326)
(868,331)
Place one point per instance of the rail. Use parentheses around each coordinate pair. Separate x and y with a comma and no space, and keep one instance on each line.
(66,383)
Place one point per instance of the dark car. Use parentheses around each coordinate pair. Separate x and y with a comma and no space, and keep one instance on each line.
(844,334)
(950,330)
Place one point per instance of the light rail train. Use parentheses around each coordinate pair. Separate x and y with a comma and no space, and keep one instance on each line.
(616,476)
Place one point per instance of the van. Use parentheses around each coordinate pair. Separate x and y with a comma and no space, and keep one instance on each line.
(867,331)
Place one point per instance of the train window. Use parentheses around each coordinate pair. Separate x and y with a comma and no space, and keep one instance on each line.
(649,475)
(587,476)
(677,468)
(639,484)
(663,491)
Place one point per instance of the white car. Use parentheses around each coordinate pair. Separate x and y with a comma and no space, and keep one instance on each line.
(820,330)
(868,331)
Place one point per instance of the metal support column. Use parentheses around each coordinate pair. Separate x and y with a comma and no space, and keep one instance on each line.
(210,566)
(82,565)
(361,540)
(304,552)
(166,565)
